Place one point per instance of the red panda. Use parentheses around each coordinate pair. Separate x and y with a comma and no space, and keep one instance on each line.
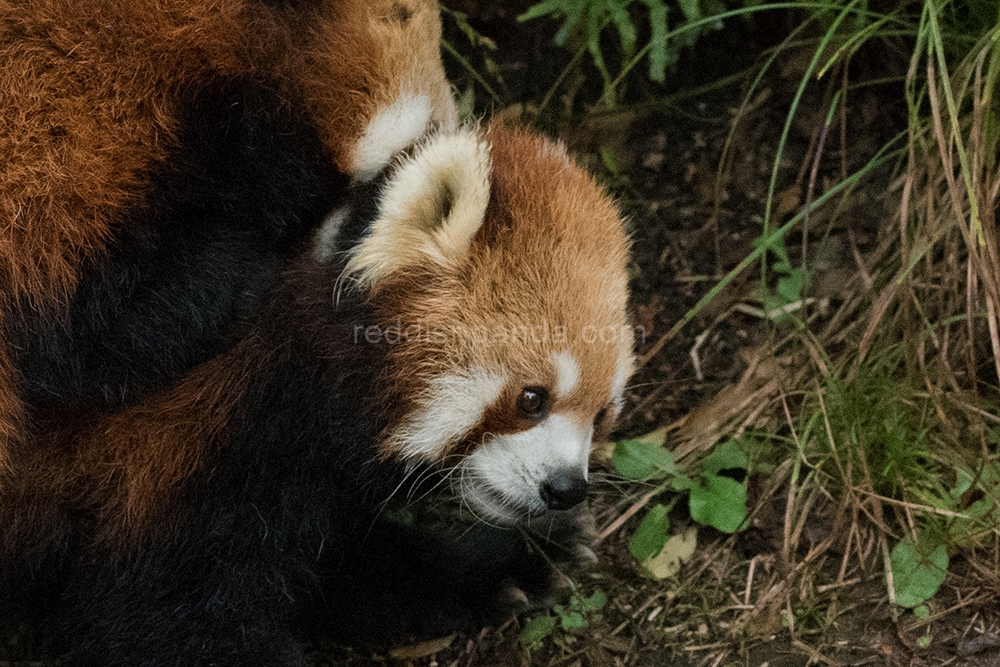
(465,318)
(162,158)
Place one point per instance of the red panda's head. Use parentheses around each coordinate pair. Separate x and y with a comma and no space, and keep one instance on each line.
(497,269)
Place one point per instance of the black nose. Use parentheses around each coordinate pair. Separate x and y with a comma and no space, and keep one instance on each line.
(563,490)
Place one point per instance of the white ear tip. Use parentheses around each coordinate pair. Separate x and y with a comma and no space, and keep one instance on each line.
(392,130)
(432,206)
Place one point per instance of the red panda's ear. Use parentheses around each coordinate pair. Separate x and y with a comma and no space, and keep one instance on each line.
(432,206)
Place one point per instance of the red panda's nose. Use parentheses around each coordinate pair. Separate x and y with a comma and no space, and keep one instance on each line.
(563,489)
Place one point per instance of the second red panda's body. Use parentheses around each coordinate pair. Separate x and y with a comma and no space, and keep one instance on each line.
(163,159)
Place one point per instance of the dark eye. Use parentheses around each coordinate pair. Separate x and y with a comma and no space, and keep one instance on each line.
(533,402)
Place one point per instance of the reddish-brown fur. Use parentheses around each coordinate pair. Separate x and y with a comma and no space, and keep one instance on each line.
(125,468)
(88,90)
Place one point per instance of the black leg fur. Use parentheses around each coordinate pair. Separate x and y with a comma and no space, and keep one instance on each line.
(193,612)
(411,582)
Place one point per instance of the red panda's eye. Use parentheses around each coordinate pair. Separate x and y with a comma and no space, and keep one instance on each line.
(533,402)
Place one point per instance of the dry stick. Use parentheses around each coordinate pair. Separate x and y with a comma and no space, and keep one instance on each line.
(814,174)
(922,361)
(800,526)
(909,516)
(970,300)
(842,572)
(902,504)
(838,584)
(749,588)
(991,319)
(866,549)
(790,501)
(719,659)
(649,398)
(824,545)
(988,268)
(877,311)
(620,521)
(972,408)
(815,655)
(982,598)
(757,398)
(883,530)
(946,161)
(833,445)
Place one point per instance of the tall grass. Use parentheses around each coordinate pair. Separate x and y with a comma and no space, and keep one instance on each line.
(898,425)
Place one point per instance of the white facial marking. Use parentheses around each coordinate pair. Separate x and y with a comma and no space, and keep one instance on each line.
(500,480)
(326,236)
(451,405)
(394,128)
(567,373)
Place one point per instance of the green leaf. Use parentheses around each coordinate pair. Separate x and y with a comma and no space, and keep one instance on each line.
(681,482)
(595,601)
(642,460)
(543,9)
(574,14)
(677,551)
(657,40)
(916,577)
(690,9)
(790,287)
(595,24)
(623,21)
(609,156)
(725,457)
(719,502)
(572,621)
(537,629)
(651,534)
(773,242)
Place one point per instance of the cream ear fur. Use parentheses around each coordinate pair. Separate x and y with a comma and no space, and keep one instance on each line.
(432,206)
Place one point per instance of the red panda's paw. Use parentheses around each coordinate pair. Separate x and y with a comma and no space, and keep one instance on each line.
(568,538)
(563,543)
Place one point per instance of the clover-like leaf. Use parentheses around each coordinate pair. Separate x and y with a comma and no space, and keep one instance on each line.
(537,629)
(725,457)
(596,601)
(719,502)
(916,577)
(651,534)
(642,460)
